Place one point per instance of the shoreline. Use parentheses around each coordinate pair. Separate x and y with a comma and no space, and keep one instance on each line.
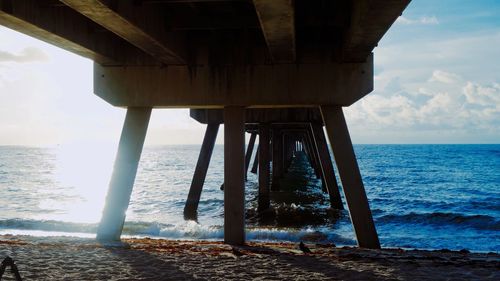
(69,258)
(41,234)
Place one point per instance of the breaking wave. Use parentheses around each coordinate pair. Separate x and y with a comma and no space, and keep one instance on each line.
(189,230)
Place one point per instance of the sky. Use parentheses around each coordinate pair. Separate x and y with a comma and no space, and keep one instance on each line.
(437,80)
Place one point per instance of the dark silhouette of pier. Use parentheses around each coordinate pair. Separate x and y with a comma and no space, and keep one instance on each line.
(279,69)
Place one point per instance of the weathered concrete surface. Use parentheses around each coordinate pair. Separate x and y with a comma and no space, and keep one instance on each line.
(282,85)
(234,175)
(369,22)
(263,115)
(200,32)
(140,32)
(277,20)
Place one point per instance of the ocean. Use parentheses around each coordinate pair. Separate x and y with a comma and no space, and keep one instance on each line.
(421,196)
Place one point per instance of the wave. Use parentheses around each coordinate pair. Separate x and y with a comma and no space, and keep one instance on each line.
(480,222)
(47,225)
(187,230)
(488,203)
(494,152)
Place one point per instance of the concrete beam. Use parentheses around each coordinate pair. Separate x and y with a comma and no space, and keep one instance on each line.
(234,175)
(124,172)
(66,29)
(200,172)
(255,116)
(277,22)
(281,85)
(352,182)
(138,33)
(370,20)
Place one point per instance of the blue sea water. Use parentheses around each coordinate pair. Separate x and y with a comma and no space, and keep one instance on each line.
(421,196)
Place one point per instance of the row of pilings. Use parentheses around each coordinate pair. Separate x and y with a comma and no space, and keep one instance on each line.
(281,133)
(277,146)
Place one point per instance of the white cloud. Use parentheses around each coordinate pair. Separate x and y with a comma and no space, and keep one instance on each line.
(444,77)
(429,20)
(422,20)
(470,56)
(29,54)
(440,111)
(482,95)
(424,91)
(455,109)
(396,110)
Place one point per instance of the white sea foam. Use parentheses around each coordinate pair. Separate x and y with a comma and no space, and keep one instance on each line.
(187,230)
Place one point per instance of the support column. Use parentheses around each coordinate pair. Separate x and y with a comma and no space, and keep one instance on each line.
(255,161)
(278,165)
(248,155)
(318,163)
(313,154)
(306,152)
(234,175)
(264,179)
(326,166)
(200,172)
(124,172)
(288,152)
(352,183)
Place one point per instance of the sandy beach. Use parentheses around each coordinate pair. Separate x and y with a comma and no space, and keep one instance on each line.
(63,258)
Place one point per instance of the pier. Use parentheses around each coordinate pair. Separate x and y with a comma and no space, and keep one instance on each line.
(280,70)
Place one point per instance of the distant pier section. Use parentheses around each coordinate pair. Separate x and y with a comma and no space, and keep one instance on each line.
(278,69)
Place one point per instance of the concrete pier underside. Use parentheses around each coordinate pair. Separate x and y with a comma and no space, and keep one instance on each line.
(293,58)
(298,125)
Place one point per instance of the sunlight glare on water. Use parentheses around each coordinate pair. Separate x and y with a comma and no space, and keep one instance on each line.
(82,172)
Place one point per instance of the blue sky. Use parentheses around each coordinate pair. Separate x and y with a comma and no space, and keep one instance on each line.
(437,77)
(437,80)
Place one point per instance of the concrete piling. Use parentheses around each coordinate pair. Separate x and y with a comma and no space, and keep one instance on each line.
(313,153)
(124,172)
(234,175)
(327,167)
(352,182)
(277,151)
(264,169)
(249,152)
(200,172)
(256,161)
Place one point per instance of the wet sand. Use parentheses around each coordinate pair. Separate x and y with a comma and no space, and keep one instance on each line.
(62,258)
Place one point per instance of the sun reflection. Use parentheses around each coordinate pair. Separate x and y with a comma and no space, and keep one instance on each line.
(82,174)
